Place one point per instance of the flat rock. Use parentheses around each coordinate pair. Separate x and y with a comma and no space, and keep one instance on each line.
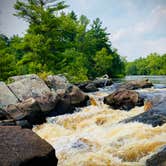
(6,96)
(20,77)
(136,84)
(22,147)
(29,87)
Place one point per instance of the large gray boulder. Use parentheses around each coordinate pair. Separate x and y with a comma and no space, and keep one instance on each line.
(57,82)
(22,147)
(29,87)
(6,96)
(20,77)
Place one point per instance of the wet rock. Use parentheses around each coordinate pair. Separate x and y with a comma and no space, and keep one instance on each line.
(70,98)
(29,87)
(92,86)
(136,84)
(22,147)
(158,159)
(155,117)
(123,99)
(6,96)
(57,82)
(27,110)
(3,114)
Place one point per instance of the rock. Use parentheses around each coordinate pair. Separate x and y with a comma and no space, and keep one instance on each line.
(123,99)
(20,77)
(29,87)
(6,96)
(69,99)
(57,82)
(136,84)
(155,117)
(22,147)
(8,122)
(92,86)
(48,102)
(3,114)
(27,110)
(158,159)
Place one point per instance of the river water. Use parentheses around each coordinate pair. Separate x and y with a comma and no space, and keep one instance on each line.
(94,136)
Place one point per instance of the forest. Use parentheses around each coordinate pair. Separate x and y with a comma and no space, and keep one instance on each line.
(57,42)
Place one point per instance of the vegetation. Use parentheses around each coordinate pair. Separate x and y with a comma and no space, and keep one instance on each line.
(58,42)
(153,64)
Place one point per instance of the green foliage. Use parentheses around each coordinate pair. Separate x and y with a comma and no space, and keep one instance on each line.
(153,64)
(56,42)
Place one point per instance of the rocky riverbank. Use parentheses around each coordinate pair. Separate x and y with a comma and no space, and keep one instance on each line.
(29,100)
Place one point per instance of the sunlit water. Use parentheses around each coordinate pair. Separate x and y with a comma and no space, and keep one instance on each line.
(94,136)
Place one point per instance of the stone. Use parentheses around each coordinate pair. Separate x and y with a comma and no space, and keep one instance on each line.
(6,96)
(20,77)
(69,99)
(27,110)
(22,147)
(48,101)
(57,82)
(158,159)
(155,117)
(136,84)
(3,114)
(29,87)
(123,99)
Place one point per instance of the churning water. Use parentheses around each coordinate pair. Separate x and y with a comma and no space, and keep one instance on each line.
(94,136)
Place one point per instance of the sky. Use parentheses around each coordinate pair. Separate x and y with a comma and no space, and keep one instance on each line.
(137,27)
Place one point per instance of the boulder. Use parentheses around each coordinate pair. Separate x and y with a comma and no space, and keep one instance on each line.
(158,159)
(20,77)
(155,117)
(27,110)
(57,82)
(123,99)
(69,99)
(48,101)
(6,96)
(136,84)
(29,87)
(92,86)
(22,147)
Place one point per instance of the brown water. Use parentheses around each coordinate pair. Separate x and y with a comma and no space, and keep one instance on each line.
(93,137)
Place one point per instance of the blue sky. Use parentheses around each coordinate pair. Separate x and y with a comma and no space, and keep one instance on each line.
(137,27)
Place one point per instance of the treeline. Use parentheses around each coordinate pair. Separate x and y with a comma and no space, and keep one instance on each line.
(153,64)
(58,42)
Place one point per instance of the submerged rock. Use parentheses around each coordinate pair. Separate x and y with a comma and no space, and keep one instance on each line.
(136,84)
(22,147)
(29,87)
(158,159)
(6,96)
(123,99)
(156,116)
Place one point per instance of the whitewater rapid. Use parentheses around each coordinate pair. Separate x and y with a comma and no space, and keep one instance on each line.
(94,137)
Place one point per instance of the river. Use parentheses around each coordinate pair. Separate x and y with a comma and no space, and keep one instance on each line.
(94,137)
